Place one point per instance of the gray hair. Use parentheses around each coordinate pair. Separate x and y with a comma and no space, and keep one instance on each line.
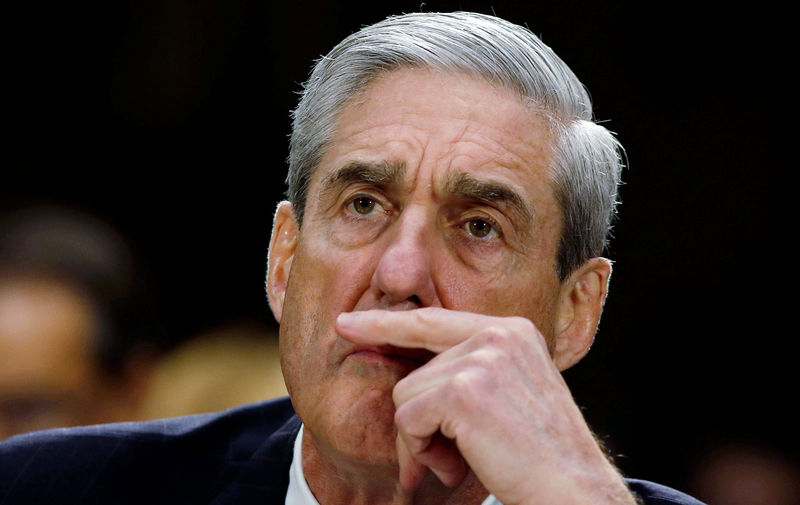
(587,158)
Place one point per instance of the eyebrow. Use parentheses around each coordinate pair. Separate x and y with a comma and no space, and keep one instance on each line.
(378,174)
(463,186)
(490,193)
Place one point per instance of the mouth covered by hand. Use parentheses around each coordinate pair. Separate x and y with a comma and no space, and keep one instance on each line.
(416,357)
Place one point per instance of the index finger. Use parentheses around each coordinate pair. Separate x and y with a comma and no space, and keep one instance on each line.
(431,328)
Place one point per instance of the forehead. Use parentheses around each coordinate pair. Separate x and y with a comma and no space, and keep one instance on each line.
(438,125)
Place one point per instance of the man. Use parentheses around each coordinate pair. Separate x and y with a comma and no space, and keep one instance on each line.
(70,351)
(437,266)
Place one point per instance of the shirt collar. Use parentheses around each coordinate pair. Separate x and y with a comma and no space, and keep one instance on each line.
(298,492)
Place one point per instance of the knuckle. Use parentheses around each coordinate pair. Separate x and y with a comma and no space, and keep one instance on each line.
(398,393)
(403,417)
(406,417)
(488,358)
(461,386)
(498,336)
(422,317)
(527,332)
(468,388)
(524,325)
(451,428)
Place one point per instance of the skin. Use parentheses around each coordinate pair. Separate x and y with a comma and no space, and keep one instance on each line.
(431,232)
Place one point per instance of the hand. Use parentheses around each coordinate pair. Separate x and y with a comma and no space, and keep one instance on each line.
(492,400)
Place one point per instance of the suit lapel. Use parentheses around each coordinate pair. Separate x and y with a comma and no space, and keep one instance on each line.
(263,477)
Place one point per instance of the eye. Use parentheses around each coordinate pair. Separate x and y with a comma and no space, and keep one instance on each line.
(363,205)
(480,228)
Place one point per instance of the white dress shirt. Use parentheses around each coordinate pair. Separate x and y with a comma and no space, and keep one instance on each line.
(299,492)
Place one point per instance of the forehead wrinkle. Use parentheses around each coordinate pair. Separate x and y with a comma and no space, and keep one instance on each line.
(462,185)
(383,173)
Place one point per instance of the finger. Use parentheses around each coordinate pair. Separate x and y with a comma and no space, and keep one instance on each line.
(440,455)
(444,460)
(431,328)
(439,372)
(411,471)
(419,426)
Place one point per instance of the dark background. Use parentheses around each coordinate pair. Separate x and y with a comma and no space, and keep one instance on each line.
(170,119)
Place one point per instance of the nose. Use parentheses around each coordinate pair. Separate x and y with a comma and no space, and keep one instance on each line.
(403,277)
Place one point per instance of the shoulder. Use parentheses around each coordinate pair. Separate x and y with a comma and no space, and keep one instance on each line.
(252,421)
(165,454)
(651,493)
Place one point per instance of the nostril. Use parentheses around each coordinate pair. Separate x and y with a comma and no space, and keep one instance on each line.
(410,303)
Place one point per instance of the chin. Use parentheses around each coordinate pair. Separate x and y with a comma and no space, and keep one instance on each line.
(363,429)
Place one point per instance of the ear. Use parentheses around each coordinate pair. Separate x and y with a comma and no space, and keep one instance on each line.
(282,245)
(581,301)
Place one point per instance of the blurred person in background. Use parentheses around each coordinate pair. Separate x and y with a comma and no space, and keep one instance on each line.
(77,334)
(220,368)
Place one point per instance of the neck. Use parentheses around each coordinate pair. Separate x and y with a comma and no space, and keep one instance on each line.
(335,479)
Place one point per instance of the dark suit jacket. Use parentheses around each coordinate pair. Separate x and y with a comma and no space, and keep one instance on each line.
(240,456)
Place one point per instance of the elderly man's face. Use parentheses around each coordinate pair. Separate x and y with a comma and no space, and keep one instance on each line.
(435,191)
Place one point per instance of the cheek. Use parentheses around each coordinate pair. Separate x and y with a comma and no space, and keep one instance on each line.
(323,282)
(519,291)
(332,273)
(300,321)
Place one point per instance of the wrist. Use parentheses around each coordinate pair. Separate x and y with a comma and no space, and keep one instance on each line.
(603,487)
